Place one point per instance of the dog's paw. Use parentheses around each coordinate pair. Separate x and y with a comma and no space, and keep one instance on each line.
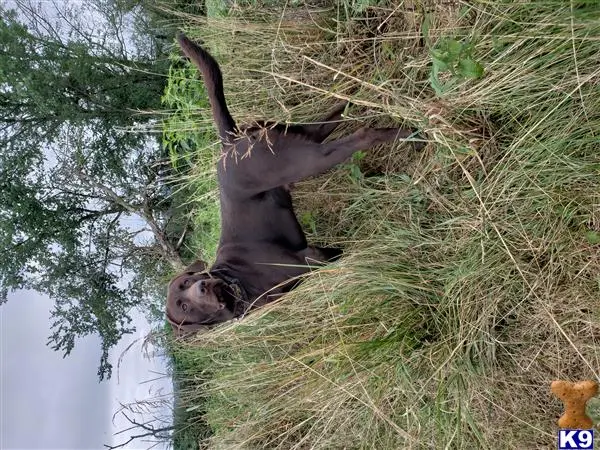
(419,141)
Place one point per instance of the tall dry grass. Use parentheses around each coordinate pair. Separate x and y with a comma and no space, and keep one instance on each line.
(471,274)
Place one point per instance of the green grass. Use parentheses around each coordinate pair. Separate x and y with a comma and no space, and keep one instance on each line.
(471,273)
(190,141)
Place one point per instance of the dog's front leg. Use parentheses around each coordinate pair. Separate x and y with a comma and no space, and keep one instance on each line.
(320,255)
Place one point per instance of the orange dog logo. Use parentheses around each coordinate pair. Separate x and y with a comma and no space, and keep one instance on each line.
(574,396)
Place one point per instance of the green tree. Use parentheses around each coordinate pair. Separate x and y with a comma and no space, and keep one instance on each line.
(47,82)
(83,198)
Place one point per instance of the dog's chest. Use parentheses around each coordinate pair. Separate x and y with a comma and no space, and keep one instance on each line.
(262,269)
(279,198)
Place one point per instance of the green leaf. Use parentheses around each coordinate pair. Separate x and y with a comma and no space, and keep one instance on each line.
(439,55)
(359,155)
(593,237)
(463,150)
(468,49)
(437,86)
(439,66)
(454,49)
(425,26)
(308,220)
(355,172)
(440,61)
(470,69)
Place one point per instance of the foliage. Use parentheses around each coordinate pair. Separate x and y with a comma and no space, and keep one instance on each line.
(190,425)
(192,145)
(456,58)
(80,191)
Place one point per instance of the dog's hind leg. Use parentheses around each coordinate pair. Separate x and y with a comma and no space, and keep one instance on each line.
(339,150)
(318,132)
(293,158)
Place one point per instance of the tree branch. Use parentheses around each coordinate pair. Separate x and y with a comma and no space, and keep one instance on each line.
(170,252)
(150,431)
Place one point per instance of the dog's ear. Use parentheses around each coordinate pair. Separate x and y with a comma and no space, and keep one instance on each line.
(187,329)
(196,266)
(181,330)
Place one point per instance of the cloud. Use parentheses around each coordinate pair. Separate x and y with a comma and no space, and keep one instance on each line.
(60,399)
(138,378)
(50,402)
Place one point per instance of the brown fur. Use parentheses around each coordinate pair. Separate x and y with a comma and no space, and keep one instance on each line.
(262,246)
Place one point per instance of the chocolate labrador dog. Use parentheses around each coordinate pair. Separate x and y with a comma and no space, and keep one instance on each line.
(262,250)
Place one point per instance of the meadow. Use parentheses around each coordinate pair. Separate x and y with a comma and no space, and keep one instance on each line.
(471,270)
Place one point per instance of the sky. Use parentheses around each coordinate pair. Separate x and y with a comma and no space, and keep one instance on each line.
(47,402)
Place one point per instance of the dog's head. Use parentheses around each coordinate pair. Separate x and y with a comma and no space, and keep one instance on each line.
(197,299)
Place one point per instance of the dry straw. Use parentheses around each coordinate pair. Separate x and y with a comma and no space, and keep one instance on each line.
(471,273)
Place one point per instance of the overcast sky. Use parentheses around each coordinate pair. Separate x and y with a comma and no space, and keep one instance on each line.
(47,402)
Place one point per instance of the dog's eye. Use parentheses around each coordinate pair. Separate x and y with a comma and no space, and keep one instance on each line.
(184,306)
(185,284)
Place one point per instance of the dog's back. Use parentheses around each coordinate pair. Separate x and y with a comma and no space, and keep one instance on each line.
(265,216)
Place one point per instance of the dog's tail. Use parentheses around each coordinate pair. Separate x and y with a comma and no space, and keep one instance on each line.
(214,85)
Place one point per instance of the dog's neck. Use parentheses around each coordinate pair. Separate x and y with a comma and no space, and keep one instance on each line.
(236,288)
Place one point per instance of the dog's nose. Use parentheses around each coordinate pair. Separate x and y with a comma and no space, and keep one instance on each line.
(202,287)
